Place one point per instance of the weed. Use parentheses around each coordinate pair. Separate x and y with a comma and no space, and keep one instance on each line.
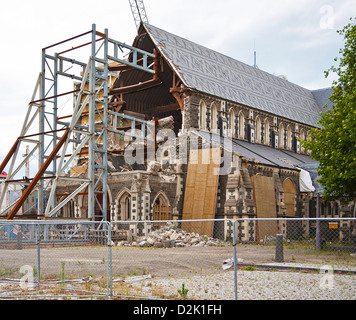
(249,268)
(6,272)
(102,283)
(138,271)
(62,274)
(183,292)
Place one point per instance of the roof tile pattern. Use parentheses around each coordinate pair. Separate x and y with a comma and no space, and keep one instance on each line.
(210,72)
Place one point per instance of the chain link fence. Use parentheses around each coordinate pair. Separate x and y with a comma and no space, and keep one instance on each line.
(187,259)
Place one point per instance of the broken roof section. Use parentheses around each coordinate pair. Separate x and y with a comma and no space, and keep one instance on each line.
(258,153)
(312,168)
(265,155)
(213,73)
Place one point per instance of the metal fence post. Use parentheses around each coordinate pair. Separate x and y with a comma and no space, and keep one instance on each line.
(109,263)
(318,245)
(38,240)
(19,240)
(279,248)
(235,258)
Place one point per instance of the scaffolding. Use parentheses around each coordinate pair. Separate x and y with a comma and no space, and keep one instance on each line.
(51,144)
(139,12)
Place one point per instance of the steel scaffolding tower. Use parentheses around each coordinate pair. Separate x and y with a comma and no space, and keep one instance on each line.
(90,137)
(138,12)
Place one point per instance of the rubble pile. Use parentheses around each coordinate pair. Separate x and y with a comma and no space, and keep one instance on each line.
(169,236)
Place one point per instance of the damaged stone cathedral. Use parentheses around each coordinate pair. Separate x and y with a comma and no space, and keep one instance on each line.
(228,144)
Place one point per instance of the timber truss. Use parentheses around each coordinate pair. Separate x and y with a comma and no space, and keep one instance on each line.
(58,144)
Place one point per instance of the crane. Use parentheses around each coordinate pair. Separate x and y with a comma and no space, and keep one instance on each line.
(138,12)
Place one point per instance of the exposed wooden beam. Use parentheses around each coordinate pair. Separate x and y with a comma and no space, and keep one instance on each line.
(167,108)
(136,87)
(178,91)
(178,95)
(120,67)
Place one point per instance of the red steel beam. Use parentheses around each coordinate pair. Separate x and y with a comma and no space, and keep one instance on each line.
(9,155)
(38,176)
(64,41)
(80,46)
(56,96)
(41,133)
(29,179)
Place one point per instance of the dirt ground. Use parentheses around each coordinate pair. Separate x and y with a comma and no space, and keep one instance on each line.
(77,262)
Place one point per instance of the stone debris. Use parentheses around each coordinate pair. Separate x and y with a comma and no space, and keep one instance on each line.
(170,236)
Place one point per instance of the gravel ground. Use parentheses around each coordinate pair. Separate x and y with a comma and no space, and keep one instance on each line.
(200,269)
(256,285)
(252,285)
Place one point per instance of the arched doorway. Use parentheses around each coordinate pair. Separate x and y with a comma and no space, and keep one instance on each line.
(289,197)
(161,209)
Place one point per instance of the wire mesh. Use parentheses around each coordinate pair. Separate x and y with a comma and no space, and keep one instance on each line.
(179,259)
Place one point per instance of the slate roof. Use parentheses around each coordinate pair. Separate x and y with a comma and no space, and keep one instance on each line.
(322,97)
(210,72)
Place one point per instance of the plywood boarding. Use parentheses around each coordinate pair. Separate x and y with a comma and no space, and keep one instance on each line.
(289,197)
(201,190)
(265,199)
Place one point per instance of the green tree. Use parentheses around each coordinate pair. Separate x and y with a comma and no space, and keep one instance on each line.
(334,144)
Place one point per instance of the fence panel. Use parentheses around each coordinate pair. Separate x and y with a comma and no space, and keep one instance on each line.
(295,258)
(55,259)
(18,271)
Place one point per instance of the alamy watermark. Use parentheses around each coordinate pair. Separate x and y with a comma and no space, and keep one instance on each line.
(183,149)
(327,20)
(327,280)
(27,280)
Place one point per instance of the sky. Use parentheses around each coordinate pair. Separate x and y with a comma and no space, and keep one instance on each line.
(294,38)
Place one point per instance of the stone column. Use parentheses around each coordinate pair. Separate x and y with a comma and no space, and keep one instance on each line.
(190,114)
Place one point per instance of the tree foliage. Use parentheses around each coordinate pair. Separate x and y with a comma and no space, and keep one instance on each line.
(334,144)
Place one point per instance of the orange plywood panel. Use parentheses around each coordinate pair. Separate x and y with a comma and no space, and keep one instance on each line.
(201,190)
(265,199)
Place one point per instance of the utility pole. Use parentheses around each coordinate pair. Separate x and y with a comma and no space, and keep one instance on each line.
(27,164)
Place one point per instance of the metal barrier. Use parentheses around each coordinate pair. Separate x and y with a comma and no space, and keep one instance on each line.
(179,259)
